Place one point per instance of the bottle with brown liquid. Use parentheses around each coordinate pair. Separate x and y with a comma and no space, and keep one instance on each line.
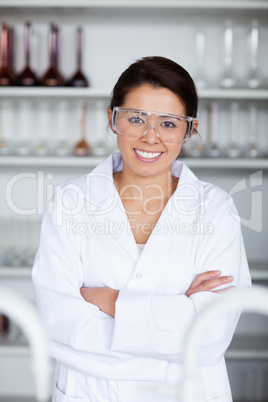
(78,79)
(52,76)
(27,77)
(82,148)
(7,76)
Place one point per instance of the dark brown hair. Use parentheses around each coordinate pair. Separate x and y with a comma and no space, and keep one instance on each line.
(158,72)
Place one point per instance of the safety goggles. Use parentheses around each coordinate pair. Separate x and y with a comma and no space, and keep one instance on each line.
(136,123)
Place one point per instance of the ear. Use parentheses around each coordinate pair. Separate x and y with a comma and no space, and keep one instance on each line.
(195,126)
(109,116)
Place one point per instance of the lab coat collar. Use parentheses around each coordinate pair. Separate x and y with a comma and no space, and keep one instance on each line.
(100,191)
(105,203)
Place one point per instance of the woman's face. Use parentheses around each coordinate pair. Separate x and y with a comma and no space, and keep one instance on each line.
(149,98)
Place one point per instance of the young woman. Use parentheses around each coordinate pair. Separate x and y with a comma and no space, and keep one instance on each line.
(132,252)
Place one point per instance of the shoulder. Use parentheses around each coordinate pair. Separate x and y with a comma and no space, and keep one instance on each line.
(214,199)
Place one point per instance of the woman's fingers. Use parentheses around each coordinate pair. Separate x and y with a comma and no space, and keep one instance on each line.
(209,284)
(200,278)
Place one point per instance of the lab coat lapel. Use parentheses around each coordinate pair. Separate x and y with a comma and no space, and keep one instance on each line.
(180,217)
(105,205)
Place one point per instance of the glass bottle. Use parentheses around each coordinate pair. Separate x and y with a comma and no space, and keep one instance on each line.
(228,79)
(10,56)
(253,150)
(27,77)
(52,76)
(4,326)
(233,149)
(7,76)
(82,148)
(254,75)
(213,150)
(78,79)
(200,77)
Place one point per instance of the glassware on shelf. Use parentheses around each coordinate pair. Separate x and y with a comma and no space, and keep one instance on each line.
(7,76)
(254,77)
(195,148)
(62,146)
(52,76)
(82,148)
(19,241)
(24,129)
(10,53)
(233,148)
(200,77)
(27,77)
(253,150)
(78,79)
(228,79)
(4,327)
(41,142)
(101,146)
(213,113)
(6,127)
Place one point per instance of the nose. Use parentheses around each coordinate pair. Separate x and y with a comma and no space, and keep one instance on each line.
(151,135)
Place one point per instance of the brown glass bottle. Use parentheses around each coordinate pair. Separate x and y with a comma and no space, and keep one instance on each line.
(27,77)
(78,79)
(52,76)
(82,147)
(7,76)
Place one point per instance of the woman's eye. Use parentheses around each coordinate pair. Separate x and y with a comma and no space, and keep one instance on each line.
(135,120)
(168,124)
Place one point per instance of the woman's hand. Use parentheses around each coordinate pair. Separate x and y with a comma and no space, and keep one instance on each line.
(208,281)
(102,297)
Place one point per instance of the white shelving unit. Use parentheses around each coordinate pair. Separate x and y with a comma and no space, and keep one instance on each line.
(92,161)
(108,25)
(95,93)
(197,4)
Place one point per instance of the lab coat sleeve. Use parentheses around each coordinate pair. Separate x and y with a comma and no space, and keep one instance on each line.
(79,333)
(157,325)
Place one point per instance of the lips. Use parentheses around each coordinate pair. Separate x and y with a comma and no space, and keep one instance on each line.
(146,154)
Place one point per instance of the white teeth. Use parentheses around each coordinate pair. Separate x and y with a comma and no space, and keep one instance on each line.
(147,155)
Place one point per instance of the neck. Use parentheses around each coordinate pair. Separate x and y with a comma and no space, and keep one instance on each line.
(129,184)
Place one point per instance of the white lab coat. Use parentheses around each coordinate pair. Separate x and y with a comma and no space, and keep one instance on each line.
(86,240)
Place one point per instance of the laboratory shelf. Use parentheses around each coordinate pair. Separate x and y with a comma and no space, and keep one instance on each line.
(60,92)
(40,161)
(15,272)
(16,398)
(92,161)
(99,93)
(159,4)
(14,348)
(248,347)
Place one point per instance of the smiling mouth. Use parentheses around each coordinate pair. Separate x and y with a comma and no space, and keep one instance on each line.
(147,155)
